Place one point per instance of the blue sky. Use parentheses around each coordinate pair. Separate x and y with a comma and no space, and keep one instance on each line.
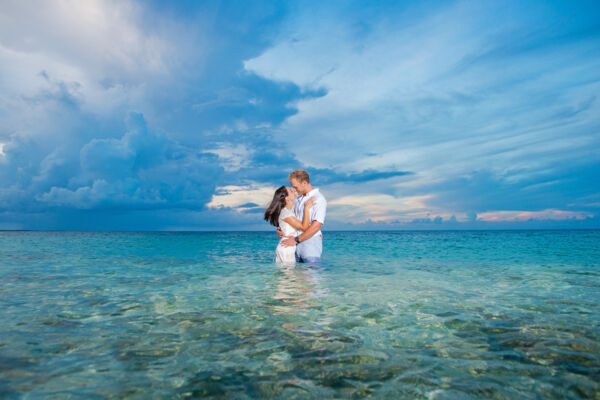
(125,115)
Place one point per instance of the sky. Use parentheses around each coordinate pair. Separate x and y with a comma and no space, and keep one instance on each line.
(151,115)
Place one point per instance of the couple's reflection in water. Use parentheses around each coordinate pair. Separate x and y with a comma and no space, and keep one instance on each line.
(299,296)
(297,288)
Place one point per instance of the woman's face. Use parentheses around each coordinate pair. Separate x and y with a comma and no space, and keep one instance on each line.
(291,194)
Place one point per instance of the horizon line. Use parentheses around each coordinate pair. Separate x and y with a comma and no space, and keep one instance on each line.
(327,230)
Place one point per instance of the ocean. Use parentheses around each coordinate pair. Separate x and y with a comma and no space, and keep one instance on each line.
(426,315)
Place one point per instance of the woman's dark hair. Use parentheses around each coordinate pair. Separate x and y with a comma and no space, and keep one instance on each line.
(274,209)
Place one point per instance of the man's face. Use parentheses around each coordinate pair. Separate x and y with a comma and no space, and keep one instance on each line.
(299,186)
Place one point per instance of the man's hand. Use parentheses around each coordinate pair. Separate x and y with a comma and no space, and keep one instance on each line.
(289,241)
(314,227)
(279,233)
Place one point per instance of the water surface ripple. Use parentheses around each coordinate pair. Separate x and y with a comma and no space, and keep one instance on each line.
(433,315)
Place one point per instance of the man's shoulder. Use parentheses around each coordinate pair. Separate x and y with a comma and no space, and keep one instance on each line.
(319,198)
(318,195)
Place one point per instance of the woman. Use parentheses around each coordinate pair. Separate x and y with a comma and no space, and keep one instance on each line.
(280,214)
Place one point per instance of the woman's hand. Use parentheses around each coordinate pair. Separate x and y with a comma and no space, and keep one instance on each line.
(309,203)
(288,241)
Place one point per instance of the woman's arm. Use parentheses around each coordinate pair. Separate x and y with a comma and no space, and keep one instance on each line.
(293,221)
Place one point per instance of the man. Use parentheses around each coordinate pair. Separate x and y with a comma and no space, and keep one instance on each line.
(309,244)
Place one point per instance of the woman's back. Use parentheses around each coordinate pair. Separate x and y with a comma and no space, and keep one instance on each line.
(286,254)
(286,228)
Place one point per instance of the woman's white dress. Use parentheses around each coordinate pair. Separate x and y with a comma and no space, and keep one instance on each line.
(286,254)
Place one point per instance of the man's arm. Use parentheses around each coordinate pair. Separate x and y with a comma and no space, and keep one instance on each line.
(307,234)
(310,232)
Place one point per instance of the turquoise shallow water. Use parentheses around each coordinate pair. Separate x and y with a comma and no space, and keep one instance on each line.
(436,315)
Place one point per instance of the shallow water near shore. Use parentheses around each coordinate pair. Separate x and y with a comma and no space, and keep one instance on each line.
(435,315)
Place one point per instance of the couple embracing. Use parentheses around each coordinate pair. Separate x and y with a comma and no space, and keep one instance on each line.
(298,213)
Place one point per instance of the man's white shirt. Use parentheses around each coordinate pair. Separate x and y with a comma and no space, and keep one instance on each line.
(317,212)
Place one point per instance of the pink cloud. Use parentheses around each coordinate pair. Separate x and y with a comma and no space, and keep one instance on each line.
(549,214)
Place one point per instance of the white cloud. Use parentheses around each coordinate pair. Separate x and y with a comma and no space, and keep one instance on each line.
(100,53)
(105,37)
(235,196)
(232,157)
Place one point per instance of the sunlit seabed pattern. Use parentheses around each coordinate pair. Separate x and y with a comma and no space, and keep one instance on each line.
(439,315)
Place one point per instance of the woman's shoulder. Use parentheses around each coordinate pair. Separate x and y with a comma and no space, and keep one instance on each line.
(285,213)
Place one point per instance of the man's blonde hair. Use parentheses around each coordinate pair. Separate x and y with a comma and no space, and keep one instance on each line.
(300,175)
